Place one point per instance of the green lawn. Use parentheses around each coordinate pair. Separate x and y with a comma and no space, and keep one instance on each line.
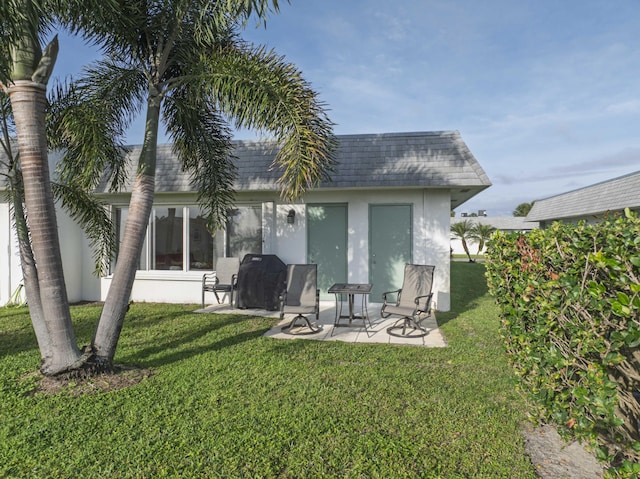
(223,401)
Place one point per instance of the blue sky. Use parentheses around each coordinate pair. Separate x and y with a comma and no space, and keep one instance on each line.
(546,94)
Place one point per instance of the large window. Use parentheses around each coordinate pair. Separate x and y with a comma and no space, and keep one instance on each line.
(201,243)
(178,239)
(119,220)
(168,248)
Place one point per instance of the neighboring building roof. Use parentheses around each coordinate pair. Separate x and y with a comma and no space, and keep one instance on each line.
(504,223)
(611,195)
(389,160)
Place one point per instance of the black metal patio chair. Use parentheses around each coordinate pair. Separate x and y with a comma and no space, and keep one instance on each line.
(223,280)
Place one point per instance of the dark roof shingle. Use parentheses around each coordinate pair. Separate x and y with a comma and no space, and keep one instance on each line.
(364,161)
(387,160)
(611,195)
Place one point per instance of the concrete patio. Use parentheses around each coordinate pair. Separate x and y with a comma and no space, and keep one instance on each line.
(354,333)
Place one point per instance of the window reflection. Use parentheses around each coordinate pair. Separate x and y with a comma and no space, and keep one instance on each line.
(168,238)
(119,220)
(201,243)
(167,249)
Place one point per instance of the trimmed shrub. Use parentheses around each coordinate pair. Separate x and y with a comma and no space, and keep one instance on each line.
(569,298)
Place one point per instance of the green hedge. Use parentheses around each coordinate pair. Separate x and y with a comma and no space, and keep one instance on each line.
(569,298)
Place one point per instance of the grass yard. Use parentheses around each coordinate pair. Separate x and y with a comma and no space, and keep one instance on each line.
(224,401)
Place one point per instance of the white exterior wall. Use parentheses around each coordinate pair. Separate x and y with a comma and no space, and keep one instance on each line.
(431,209)
(73,249)
(90,284)
(10,272)
(456,245)
(290,244)
(431,243)
(71,241)
(358,235)
(163,287)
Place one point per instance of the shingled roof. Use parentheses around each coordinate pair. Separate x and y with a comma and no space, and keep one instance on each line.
(611,195)
(368,161)
(372,161)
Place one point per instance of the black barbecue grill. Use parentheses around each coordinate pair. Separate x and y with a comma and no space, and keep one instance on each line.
(261,281)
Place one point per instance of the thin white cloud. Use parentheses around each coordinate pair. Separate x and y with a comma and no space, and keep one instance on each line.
(631,106)
(627,159)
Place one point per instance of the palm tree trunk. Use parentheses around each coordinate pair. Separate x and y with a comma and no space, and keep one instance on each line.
(117,301)
(30,279)
(28,100)
(466,249)
(27,263)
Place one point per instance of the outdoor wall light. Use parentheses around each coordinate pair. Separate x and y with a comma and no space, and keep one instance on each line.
(291,217)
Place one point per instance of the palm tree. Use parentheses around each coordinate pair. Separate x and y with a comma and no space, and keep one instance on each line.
(463,230)
(481,233)
(183,62)
(25,68)
(15,196)
(186,63)
(85,209)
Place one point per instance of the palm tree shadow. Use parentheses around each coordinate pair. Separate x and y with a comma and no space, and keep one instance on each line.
(178,347)
(171,345)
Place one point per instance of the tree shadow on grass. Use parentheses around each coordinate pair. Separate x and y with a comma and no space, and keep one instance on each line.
(192,341)
(152,335)
(468,284)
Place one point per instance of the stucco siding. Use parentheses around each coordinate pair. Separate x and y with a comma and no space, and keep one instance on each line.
(430,242)
(433,172)
(71,239)
(8,256)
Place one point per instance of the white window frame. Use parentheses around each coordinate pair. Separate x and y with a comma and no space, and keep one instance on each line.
(148,248)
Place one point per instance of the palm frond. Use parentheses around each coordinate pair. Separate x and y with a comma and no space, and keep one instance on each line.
(7,134)
(462,229)
(244,9)
(202,140)
(93,216)
(5,53)
(481,233)
(16,14)
(111,24)
(259,89)
(88,120)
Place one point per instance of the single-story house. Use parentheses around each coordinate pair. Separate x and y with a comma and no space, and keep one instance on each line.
(388,203)
(589,203)
(502,223)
